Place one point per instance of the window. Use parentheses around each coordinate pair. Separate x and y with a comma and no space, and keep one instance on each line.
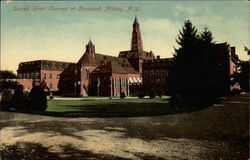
(155,74)
(123,80)
(20,76)
(44,76)
(37,76)
(158,74)
(57,76)
(32,75)
(50,85)
(86,74)
(50,76)
(117,82)
(162,74)
(166,74)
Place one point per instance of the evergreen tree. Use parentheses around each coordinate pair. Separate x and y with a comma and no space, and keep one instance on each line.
(191,81)
(210,78)
(181,77)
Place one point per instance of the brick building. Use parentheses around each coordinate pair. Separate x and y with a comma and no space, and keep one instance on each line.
(104,75)
(155,74)
(100,74)
(41,72)
(228,64)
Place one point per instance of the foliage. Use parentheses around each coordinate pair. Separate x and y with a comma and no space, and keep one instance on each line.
(20,99)
(5,74)
(159,93)
(152,94)
(192,80)
(8,84)
(93,88)
(38,98)
(6,100)
(6,80)
(51,97)
(122,96)
(141,95)
(242,77)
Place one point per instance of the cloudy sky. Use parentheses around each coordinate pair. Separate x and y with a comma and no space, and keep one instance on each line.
(60,31)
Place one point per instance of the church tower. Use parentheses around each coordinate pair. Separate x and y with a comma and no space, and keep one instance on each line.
(136,42)
(90,49)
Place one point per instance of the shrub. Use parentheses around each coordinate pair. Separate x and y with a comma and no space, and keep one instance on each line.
(38,98)
(177,101)
(20,100)
(6,100)
(51,97)
(141,95)
(122,96)
(159,93)
(151,94)
(26,93)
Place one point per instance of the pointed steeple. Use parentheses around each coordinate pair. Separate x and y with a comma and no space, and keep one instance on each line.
(136,21)
(90,42)
(136,42)
(90,49)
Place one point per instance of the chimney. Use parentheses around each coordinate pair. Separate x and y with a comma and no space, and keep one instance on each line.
(158,57)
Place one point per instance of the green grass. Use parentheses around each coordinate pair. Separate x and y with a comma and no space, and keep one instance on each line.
(108,107)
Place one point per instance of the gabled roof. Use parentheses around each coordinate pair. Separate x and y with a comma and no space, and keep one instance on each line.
(110,67)
(114,67)
(69,70)
(97,60)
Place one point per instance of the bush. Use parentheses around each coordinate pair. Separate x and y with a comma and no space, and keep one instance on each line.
(20,100)
(38,98)
(141,95)
(6,100)
(51,97)
(151,94)
(122,96)
(159,93)
(177,101)
(26,93)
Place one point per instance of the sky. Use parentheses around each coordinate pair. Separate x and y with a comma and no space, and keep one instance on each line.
(59,30)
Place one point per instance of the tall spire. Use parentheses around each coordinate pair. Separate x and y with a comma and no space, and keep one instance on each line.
(90,42)
(90,49)
(136,42)
(136,21)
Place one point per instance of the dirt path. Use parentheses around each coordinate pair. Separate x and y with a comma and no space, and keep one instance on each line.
(218,132)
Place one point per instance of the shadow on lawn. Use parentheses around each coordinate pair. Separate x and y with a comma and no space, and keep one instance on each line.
(33,151)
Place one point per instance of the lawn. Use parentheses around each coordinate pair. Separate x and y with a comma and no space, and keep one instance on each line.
(108,107)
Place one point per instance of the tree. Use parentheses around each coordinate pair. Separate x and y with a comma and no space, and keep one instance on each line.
(191,80)
(38,98)
(5,74)
(242,77)
(6,80)
(7,85)
(181,77)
